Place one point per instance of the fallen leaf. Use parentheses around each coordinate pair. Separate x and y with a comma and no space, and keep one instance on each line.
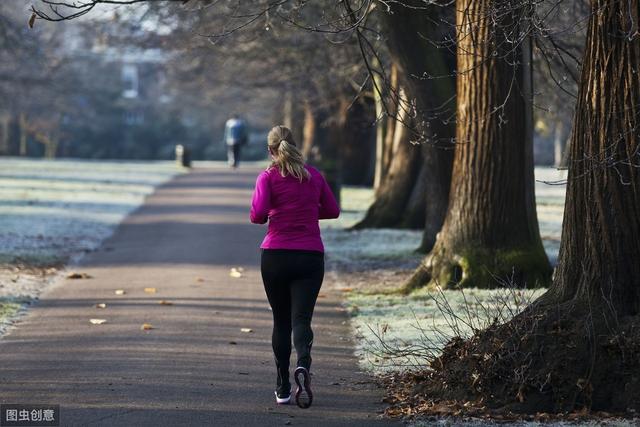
(164,302)
(146,326)
(233,343)
(235,273)
(120,292)
(322,296)
(150,290)
(346,289)
(101,305)
(199,279)
(97,321)
(78,276)
(247,330)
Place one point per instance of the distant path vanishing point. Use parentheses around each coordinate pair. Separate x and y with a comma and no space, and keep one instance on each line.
(196,367)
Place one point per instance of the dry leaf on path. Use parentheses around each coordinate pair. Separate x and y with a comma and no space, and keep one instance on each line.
(199,279)
(78,276)
(150,290)
(164,302)
(97,321)
(146,326)
(120,292)
(101,305)
(246,330)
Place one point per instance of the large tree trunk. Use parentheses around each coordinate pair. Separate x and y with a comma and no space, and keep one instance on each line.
(576,347)
(422,201)
(437,185)
(395,190)
(428,75)
(601,227)
(491,229)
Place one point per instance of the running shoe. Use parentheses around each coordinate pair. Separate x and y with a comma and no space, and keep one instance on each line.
(282,398)
(283,387)
(304,397)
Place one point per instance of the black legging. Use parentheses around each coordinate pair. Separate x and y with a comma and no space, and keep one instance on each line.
(292,280)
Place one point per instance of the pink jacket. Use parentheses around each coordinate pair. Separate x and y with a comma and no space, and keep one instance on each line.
(293,209)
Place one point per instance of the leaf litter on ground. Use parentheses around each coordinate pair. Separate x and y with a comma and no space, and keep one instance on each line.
(75,275)
(236,273)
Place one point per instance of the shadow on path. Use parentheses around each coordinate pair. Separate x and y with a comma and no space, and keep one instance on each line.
(196,366)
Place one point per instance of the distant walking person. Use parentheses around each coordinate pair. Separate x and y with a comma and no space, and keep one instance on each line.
(292,197)
(235,136)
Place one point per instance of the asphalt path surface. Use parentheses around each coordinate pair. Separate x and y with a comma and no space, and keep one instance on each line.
(196,366)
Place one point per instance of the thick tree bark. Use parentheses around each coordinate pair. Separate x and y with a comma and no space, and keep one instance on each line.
(395,190)
(428,75)
(601,227)
(437,187)
(491,229)
(410,33)
(575,348)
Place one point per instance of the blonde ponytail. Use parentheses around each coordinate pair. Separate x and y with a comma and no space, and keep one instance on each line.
(287,158)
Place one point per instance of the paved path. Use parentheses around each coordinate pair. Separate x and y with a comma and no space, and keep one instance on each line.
(182,241)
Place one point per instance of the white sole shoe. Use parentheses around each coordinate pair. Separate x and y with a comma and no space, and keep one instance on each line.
(304,396)
(282,400)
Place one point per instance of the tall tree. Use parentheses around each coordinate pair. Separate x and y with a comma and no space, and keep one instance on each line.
(576,346)
(491,228)
(601,227)
(425,66)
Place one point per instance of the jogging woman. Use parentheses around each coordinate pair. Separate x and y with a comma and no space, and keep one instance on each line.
(292,197)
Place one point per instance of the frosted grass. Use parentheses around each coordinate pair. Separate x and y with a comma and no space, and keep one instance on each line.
(410,320)
(418,320)
(53,210)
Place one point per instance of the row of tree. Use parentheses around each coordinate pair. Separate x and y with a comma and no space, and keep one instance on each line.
(107,88)
(456,79)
